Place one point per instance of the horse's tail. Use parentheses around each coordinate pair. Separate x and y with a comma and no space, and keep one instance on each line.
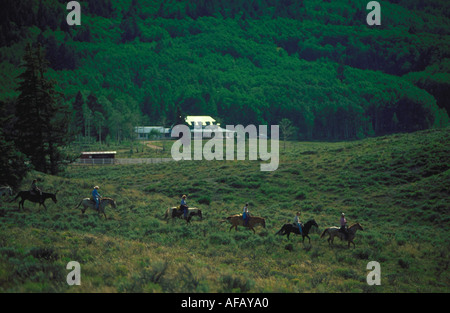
(78,205)
(324,232)
(18,195)
(166,214)
(281,232)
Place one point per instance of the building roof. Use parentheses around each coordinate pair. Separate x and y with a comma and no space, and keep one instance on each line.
(204,119)
(99,152)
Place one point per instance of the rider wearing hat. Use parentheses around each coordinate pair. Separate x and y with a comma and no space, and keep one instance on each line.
(34,189)
(96,196)
(183,206)
(343,223)
(298,223)
(245,215)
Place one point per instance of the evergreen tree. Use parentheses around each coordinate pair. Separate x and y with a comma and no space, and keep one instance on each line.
(12,162)
(129,25)
(78,121)
(287,130)
(41,118)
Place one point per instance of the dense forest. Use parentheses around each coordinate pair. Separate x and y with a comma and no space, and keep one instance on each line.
(316,63)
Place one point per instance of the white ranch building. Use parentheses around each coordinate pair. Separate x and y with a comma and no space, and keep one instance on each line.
(204,120)
(144,132)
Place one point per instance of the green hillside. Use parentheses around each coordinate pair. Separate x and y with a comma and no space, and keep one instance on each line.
(243,62)
(396,186)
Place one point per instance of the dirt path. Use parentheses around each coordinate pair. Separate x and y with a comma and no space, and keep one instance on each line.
(151,145)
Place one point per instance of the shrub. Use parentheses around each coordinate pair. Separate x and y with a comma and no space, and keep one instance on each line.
(44,253)
(362,254)
(300,195)
(204,200)
(403,264)
(236,283)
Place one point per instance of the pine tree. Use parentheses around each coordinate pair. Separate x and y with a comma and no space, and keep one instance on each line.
(42,119)
(78,122)
(12,162)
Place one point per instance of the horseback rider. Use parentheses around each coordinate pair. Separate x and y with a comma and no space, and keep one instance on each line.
(184,207)
(298,223)
(343,228)
(34,189)
(246,215)
(96,197)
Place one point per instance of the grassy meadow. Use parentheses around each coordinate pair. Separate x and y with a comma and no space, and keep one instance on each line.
(396,186)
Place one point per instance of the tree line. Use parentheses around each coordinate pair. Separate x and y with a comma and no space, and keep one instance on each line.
(315,63)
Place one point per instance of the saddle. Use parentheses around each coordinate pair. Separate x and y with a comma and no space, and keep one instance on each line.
(93,201)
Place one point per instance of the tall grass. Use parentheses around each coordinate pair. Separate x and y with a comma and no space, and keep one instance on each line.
(395,186)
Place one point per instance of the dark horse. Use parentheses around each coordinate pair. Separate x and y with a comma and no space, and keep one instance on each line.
(36,198)
(287,229)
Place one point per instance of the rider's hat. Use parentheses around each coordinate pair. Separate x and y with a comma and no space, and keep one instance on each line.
(96,187)
(184,196)
(342,213)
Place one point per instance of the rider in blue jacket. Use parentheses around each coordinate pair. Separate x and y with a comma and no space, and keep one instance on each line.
(184,207)
(246,215)
(96,196)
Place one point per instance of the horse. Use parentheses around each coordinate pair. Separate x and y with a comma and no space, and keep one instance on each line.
(88,203)
(237,220)
(174,212)
(335,231)
(37,198)
(287,229)
(6,190)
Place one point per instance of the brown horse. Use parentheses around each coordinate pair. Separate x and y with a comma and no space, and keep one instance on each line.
(237,220)
(335,231)
(36,198)
(174,212)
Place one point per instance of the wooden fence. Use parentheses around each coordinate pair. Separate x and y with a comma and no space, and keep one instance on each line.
(121,161)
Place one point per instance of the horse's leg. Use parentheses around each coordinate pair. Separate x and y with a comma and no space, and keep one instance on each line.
(101,210)
(253,229)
